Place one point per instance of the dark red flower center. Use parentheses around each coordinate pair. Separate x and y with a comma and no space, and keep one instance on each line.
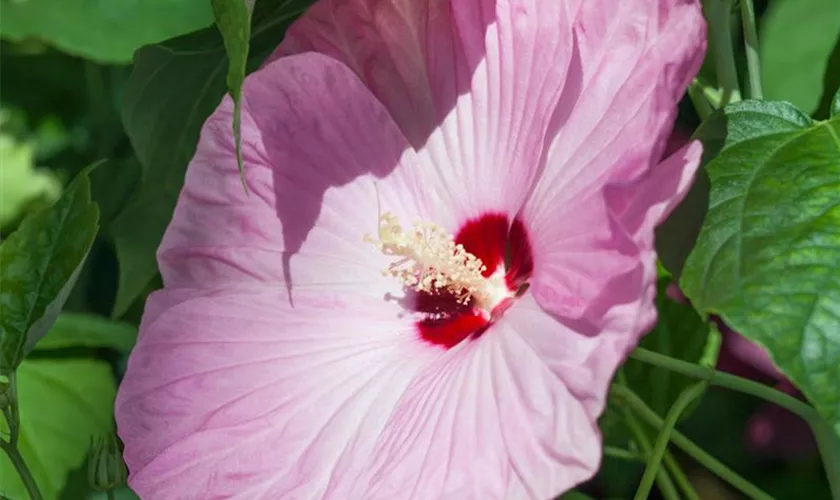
(500,244)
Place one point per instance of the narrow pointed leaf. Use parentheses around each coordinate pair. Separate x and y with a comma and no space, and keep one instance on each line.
(233,18)
(39,264)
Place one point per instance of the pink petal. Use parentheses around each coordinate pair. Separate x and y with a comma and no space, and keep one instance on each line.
(584,352)
(647,200)
(488,420)
(472,83)
(612,124)
(239,394)
(322,159)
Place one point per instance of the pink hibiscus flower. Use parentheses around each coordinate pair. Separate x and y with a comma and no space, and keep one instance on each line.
(446,251)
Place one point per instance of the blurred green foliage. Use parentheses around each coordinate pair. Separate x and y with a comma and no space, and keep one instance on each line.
(107,32)
(800,51)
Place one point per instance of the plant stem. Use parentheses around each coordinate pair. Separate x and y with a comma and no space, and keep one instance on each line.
(621,454)
(751,43)
(726,380)
(22,470)
(720,34)
(11,414)
(699,99)
(666,485)
(827,441)
(685,398)
(677,473)
(634,402)
(110,494)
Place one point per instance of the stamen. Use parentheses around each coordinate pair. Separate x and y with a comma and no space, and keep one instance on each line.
(431,260)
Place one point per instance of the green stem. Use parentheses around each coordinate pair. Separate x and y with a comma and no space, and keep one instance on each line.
(726,380)
(10,412)
(827,441)
(751,42)
(720,38)
(22,470)
(677,473)
(685,398)
(634,402)
(666,485)
(111,495)
(621,454)
(700,100)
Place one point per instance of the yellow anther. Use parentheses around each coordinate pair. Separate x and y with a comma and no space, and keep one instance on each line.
(431,260)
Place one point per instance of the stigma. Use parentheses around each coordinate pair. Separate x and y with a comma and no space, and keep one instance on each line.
(430,261)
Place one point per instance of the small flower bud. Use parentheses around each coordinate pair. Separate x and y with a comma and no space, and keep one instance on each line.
(106,469)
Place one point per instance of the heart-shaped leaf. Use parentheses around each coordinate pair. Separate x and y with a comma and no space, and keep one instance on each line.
(768,257)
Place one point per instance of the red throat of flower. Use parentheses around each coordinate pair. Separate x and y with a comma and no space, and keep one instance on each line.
(458,286)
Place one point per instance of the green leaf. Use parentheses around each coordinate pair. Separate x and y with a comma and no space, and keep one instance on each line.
(679,333)
(676,237)
(62,404)
(112,185)
(768,257)
(39,264)
(233,17)
(746,120)
(797,38)
(105,31)
(88,330)
(172,90)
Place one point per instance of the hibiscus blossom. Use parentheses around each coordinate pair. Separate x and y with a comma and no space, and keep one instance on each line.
(445,251)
